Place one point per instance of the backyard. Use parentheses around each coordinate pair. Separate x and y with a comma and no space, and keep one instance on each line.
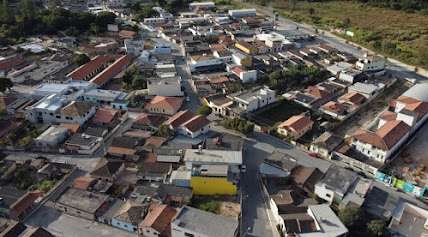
(397,34)
(277,113)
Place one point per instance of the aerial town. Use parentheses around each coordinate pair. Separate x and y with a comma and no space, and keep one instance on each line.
(204,119)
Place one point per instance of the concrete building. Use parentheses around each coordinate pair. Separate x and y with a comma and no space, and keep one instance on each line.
(371,64)
(129,216)
(81,203)
(193,222)
(242,13)
(409,220)
(157,221)
(51,137)
(106,98)
(335,184)
(252,100)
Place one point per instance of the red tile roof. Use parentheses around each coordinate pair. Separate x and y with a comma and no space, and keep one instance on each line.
(111,71)
(105,115)
(159,218)
(386,136)
(165,102)
(90,68)
(149,120)
(24,203)
(83,182)
(9,63)
(388,116)
(237,70)
(72,127)
(297,123)
(196,123)
(179,118)
(317,92)
(334,107)
(127,34)
(353,98)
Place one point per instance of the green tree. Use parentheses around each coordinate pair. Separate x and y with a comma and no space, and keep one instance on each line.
(349,216)
(46,185)
(376,228)
(164,131)
(81,59)
(94,28)
(5,84)
(27,9)
(5,12)
(204,110)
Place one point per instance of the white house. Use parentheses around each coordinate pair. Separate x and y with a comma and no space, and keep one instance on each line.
(371,64)
(51,137)
(203,62)
(335,184)
(129,216)
(188,124)
(252,100)
(246,76)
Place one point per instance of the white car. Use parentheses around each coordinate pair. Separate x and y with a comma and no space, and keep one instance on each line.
(243,168)
(187,98)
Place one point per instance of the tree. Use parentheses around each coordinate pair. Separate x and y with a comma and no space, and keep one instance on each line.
(94,28)
(5,12)
(204,110)
(164,131)
(349,216)
(81,59)
(5,84)
(27,9)
(376,228)
(247,62)
(311,11)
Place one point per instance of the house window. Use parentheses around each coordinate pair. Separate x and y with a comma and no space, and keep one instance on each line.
(328,195)
(188,234)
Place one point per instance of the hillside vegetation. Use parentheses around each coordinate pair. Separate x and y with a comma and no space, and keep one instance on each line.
(401,34)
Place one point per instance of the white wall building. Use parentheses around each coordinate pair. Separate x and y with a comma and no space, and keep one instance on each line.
(249,101)
(371,64)
(169,86)
(242,13)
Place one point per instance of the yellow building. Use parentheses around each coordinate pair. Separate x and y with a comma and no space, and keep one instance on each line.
(203,185)
(246,47)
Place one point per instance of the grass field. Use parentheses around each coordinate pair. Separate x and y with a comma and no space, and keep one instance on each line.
(395,34)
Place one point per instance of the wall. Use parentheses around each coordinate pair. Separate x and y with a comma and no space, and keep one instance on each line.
(212,186)
(322,192)
(123,225)
(75,212)
(172,88)
(148,232)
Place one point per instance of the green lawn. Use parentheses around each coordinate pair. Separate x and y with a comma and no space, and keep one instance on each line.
(395,34)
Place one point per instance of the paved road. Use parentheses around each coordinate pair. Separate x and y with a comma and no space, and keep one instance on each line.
(255,213)
(397,68)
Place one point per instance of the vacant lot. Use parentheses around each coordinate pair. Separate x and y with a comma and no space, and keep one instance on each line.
(393,33)
(277,113)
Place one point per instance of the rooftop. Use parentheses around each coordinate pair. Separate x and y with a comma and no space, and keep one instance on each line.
(213,156)
(82,200)
(205,223)
(339,179)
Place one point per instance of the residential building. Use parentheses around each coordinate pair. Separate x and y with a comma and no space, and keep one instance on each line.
(190,221)
(124,147)
(51,109)
(296,126)
(81,203)
(252,100)
(371,63)
(164,105)
(245,76)
(219,104)
(106,118)
(112,70)
(129,216)
(325,144)
(108,98)
(380,145)
(409,220)
(51,137)
(201,6)
(108,170)
(335,184)
(155,171)
(204,63)
(189,124)
(242,13)
(92,68)
(83,144)
(148,122)
(24,205)
(157,221)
